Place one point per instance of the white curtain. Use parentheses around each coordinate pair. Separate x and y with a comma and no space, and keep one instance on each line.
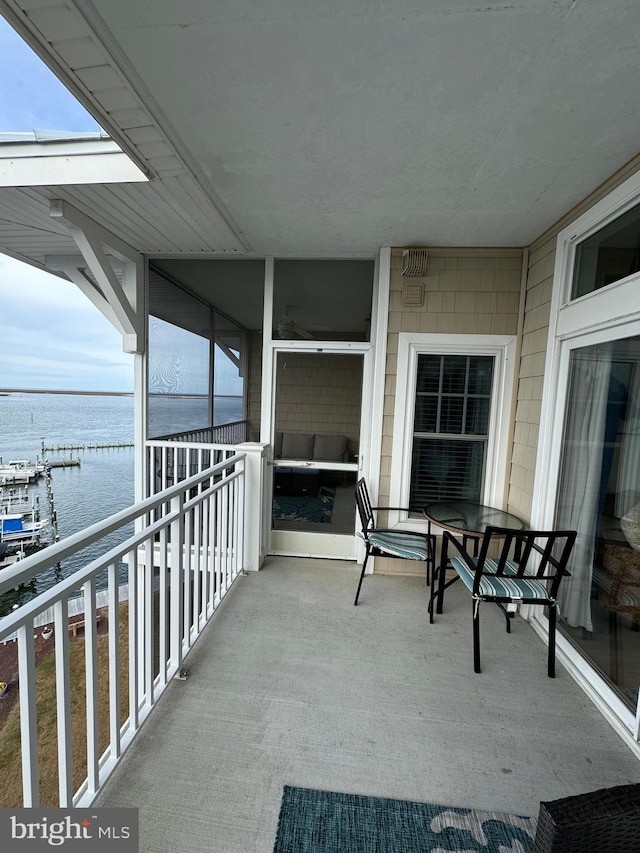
(581,477)
(628,485)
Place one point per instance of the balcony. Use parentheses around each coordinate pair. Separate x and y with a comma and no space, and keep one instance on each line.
(290,684)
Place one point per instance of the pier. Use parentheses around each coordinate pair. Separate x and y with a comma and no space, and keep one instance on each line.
(69,448)
(64,463)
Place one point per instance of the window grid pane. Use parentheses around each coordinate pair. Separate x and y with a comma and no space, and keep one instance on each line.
(453,394)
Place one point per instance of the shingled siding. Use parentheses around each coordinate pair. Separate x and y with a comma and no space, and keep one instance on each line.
(466,291)
(539,287)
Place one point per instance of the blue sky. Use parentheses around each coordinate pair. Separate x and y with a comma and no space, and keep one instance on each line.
(52,336)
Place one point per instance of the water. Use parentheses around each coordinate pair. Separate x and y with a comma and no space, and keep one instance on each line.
(101,486)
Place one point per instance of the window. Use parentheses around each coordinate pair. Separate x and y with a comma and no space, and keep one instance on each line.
(612,253)
(451,419)
(451,428)
(178,392)
(590,444)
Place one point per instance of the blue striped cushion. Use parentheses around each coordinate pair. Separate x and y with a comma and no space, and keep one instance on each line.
(502,587)
(403,545)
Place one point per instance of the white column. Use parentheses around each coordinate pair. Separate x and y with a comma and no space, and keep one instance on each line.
(255,497)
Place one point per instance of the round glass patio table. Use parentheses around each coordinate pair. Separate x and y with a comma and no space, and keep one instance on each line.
(468,518)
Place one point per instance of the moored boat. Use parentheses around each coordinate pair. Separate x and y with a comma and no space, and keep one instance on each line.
(20,472)
(25,528)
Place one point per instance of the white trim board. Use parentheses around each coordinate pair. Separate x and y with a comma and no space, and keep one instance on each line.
(412,344)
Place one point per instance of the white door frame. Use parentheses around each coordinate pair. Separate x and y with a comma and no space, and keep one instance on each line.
(304,543)
(373,380)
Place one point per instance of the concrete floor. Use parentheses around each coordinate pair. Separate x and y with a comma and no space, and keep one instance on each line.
(291,684)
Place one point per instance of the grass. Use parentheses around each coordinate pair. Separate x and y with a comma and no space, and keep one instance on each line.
(10,755)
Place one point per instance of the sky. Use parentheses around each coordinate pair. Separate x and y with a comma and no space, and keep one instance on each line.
(52,335)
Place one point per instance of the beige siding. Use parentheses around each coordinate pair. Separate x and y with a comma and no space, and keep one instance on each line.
(316,393)
(254,340)
(319,393)
(539,287)
(466,291)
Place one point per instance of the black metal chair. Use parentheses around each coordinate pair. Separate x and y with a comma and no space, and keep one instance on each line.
(528,570)
(380,541)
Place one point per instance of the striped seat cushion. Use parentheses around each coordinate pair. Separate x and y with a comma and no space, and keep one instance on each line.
(404,545)
(503,586)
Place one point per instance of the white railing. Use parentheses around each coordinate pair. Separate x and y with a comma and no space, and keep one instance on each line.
(186,551)
(231,433)
(170,461)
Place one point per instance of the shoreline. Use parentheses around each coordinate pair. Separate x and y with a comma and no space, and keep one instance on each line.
(7,392)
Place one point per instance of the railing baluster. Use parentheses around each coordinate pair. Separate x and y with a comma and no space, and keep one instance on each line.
(133,640)
(91,681)
(177,587)
(114,661)
(197,565)
(28,715)
(190,533)
(241,520)
(219,562)
(188,569)
(162,607)
(63,701)
(224,537)
(206,552)
(148,623)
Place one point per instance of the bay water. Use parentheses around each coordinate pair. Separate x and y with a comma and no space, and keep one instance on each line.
(102,485)
(84,495)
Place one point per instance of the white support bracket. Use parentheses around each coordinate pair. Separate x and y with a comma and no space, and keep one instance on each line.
(121,303)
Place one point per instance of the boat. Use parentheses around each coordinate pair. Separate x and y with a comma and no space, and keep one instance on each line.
(20,472)
(9,554)
(20,527)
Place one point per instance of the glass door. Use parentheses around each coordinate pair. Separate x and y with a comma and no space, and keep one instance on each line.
(599,496)
(316,448)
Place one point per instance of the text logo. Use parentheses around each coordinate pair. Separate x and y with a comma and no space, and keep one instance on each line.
(36,829)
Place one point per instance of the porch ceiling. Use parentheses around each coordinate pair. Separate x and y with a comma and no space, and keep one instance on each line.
(332,128)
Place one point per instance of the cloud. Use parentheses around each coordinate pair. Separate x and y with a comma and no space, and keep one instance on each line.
(54,337)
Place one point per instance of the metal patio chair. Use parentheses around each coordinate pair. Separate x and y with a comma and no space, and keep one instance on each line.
(384,542)
(528,570)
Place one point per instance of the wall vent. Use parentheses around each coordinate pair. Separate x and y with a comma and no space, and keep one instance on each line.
(412,293)
(414,263)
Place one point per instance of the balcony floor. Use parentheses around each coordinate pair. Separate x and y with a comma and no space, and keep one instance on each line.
(291,684)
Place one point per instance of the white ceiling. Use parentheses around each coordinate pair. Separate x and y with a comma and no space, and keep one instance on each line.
(336,126)
(328,128)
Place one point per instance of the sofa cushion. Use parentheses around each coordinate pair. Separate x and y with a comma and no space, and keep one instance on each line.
(330,448)
(297,445)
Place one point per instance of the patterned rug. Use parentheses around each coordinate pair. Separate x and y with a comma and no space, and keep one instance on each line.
(325,822)
(318,509)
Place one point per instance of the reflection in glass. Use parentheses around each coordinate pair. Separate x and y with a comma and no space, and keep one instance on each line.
(178,379)
(611,254)
(322,300)
(599,497)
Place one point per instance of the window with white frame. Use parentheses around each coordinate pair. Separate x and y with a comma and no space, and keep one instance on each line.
(451,419)
(590,441)
(451,428)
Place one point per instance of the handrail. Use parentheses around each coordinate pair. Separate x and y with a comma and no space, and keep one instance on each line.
(184,556)
(52,554)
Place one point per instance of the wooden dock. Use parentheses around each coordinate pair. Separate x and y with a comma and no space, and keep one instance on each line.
(64,463)
(69,448)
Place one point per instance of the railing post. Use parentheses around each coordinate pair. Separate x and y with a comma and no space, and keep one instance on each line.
(177,581)
(254,496)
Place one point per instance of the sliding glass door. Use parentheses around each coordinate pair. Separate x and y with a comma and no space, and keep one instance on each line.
(599,496)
